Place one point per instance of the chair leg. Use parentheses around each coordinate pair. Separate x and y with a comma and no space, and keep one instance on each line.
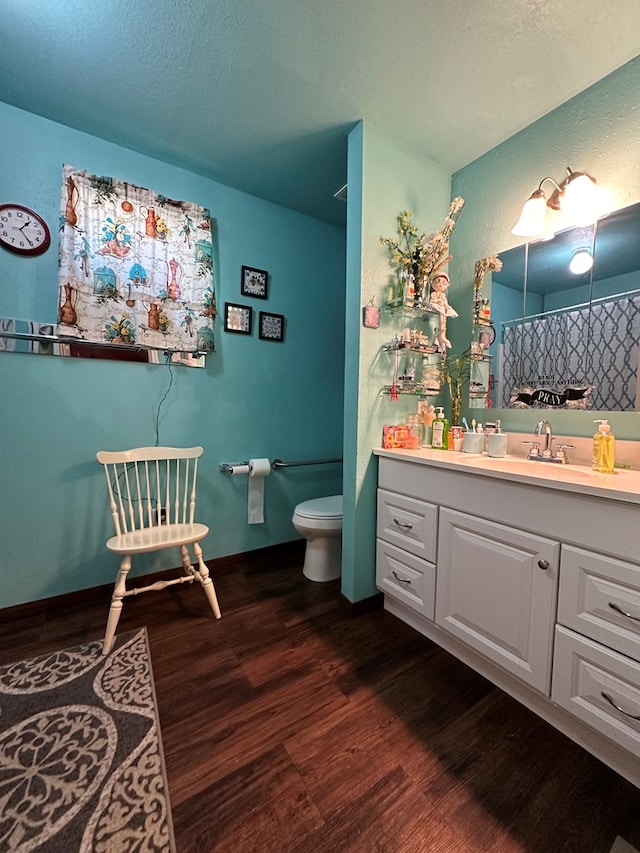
(115,610)
(187,568)
(205,579)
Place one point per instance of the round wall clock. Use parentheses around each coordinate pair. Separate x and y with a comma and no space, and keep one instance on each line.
(22,230)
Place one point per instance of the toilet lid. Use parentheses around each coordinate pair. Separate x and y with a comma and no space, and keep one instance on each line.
(330,507)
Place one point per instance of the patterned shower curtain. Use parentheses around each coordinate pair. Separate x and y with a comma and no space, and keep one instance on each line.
(135,267)
(595,346)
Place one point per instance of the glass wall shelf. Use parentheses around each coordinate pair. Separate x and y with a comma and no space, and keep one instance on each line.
(410,349)
(414,389)
(409,308)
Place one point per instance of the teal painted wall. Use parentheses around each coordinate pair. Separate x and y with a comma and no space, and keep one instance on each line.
(255,398)
(598,131)
(384,179)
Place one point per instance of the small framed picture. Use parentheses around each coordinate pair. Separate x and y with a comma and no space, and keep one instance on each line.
(254,282)
(237,318)
(271,327)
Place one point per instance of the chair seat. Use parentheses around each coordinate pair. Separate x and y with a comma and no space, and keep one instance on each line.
(156,538)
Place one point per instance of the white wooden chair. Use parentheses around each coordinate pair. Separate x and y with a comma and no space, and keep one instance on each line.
(152,494)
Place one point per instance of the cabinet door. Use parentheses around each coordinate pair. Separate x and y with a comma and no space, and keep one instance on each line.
(496,590)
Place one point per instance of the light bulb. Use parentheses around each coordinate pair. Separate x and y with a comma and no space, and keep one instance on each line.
(582,261)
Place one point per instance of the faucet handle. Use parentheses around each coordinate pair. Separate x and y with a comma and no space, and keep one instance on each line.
(535,449)
(560,451)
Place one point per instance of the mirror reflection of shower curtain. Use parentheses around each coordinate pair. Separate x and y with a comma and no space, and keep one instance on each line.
(614,324)
(586,345)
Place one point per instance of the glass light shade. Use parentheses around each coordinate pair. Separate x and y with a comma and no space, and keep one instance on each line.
(582,261)
(532,222)
(582,200)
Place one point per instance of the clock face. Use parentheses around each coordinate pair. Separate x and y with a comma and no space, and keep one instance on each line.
(22,230)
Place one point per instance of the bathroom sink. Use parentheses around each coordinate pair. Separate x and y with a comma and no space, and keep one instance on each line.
(531,468)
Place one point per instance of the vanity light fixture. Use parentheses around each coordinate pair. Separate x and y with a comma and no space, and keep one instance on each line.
(581,261)
(577,195)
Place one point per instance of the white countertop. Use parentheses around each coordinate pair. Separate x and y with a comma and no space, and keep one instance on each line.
(623,485)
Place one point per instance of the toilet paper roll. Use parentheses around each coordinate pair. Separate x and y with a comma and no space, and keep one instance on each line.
(239,469)
(258,470)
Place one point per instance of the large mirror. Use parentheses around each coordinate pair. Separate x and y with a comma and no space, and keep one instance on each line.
(566,314)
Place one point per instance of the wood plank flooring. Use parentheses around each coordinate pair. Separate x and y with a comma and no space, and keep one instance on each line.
(289,726)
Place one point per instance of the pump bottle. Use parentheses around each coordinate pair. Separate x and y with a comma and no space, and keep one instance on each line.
(440,432)
(603,448)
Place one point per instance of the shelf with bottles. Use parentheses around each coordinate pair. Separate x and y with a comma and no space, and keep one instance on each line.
(412,389)
(415,372)
(481,312)
(412,341)
(477,392)
(408,306)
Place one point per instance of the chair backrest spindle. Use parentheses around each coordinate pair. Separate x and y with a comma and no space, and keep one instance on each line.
(192,502)
(140,496)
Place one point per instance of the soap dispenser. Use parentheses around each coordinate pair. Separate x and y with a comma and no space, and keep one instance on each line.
(603,448)
(440,432)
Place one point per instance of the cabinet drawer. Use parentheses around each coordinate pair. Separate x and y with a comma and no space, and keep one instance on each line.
(593,591)
(405,577)
(582,672)
(408,523)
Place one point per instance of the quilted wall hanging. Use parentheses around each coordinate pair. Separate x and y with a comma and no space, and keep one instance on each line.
(136,267)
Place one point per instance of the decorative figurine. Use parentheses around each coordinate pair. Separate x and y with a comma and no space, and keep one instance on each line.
(438,302)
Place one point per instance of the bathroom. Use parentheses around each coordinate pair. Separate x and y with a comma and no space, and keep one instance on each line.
(336,406)
(315,395)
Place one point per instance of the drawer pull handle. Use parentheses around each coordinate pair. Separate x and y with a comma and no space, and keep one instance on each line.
(398,578)
(403,524)
(619,609)
(618,708)
(543,564)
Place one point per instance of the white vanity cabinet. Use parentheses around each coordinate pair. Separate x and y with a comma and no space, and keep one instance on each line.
(535,586)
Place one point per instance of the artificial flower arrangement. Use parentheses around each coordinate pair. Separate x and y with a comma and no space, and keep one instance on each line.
(419,257)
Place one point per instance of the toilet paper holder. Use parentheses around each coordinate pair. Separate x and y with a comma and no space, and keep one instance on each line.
(228,467)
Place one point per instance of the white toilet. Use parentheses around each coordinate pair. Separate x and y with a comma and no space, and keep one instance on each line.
(320,522)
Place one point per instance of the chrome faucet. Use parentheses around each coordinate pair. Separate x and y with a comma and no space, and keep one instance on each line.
(544,427)
(548,454)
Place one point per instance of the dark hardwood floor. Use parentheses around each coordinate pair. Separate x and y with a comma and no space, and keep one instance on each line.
(291,726)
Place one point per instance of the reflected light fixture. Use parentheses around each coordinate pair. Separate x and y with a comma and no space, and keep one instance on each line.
(578,195)
(581,261)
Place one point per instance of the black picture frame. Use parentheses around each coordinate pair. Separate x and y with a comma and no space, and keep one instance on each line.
(254,282)
(238,318)
(271,326)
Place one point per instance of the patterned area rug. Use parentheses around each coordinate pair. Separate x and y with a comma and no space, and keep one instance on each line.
(622,846)
(81,763)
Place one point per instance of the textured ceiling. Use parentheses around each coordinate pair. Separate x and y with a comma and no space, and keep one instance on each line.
(261,94)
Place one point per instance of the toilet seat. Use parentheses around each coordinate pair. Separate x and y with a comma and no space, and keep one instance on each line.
(326,509)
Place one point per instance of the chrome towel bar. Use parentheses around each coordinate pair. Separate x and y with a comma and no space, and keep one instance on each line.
(278,463)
